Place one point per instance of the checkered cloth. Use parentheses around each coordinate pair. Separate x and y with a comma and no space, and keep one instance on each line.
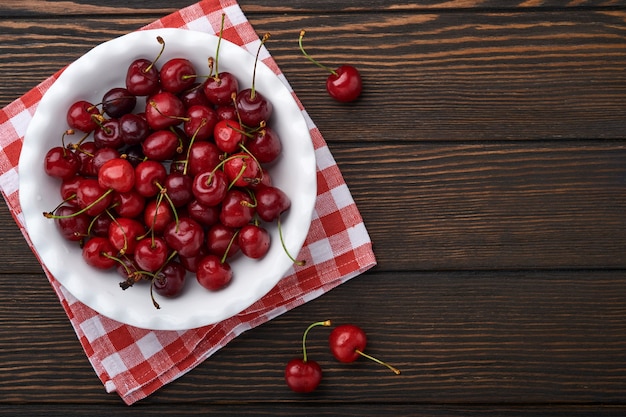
(136,362)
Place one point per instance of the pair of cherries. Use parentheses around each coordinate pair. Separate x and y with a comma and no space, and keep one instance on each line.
(347,343)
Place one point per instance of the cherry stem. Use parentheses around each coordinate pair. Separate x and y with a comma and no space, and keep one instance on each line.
(217,50)
(258,51)
(365,355)
(81,211)
(162,42)
(282,242)
(326,323)
(332,71)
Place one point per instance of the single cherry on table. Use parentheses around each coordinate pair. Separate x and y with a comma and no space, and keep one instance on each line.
(302,374)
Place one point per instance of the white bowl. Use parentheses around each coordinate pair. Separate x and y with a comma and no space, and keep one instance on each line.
(88,78)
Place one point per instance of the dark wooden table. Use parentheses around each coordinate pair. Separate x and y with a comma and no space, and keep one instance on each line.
(488,158)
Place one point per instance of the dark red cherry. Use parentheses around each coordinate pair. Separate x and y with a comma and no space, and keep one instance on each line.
(98,252)
(101,156)
(134,128)
(205,215)
(130,204)
(271,203)
(253,107)
(185,236)
(118,101)
(149,177)
(142,78)
(170,280)
(220,239)
(204,156)
(160,145)
(210,188)
(219,90)
(92,197)
(237,209)
(151,253)
(265,145)
(73,227)
(178,187)
(254,241)
(201,121)
(163,110)
(108,134)
(194,96)
(344,84)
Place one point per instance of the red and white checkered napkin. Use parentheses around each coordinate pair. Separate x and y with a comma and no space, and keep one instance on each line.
(136,362)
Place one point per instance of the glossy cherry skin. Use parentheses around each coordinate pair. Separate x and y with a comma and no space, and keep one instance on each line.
(205,215)
(124,233)
(170,280)
(163,110)
(98,251)
(157,215)
(228,135)
(160,145)
(118,101)
(345,340)
(265,145)
(210,188)
(237,209)
(203,157)
(219,90)
(271,203)
(346,85)
(61,163)
(201,121)
(253,107)
(108,134)
(148,176)
(194,96)
(73,227)
(134,128)
(213,274)
(178,187)
(130,204)
(177,74)
(117,174)
(142,78)
(185,237)
(80,116)
(242,170)
(254,241)
(151,253)
(301,376)
(221,238)
(92,197)
(101,156)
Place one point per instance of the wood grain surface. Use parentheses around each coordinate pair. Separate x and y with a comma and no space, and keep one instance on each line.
(488,159)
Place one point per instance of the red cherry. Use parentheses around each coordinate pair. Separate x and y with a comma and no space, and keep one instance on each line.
(117,174)
(73,227)
(142,77)
(205,215)
(82,115)
(148,176)
(210,188)
(157,215)
(134,128)
(185,236)
(254,241)
(265,145)
(212,273)
(201,121)
(301,374)
(220,89)
(222,238)
(228,135)
(124,233)
(202,157)
(130,204)
(237,209)
(151,253)
(177,74)
(160,145)
(163,110)
(118,101)
(101,156)
(60,162)
(242,170)
(98,252)
(271,203)
(170,280)
(253,107)
(343,84)
(347,342)
(108,134)
(194,96)
(93,198)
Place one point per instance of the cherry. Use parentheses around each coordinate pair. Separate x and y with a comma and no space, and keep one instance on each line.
(130,204)
(124,233)
(178,187)
(202,157)
(201,121)
(194,96)
(253,108)
(74,227)
(157,215)
(237,209)
(118,101)
(242,170)
(163,110)
(151,253)
(160,145)
(101,156)
(85,152)
(82,115)
(222,240)
(117,174)
(134,128)
(170,280)
(271,203)
(254,241)
(148,176)
(93,198)
(68,189)
(177,74)
(98,252)
(347,343)
(228,135)
(205,215)
(61,162)
(226,112)
(265,145)
(210,188)
(301,374)
(185,236)
(343,84)
(212,273)
(142,77)
(108,134)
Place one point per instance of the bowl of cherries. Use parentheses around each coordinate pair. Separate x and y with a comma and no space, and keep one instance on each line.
(168,178)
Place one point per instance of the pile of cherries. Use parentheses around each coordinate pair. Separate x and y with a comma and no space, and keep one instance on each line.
(180,185)
(347,343)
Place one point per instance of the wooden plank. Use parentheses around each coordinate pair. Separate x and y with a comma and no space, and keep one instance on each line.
(16,8)
(473,76)
(459,338)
